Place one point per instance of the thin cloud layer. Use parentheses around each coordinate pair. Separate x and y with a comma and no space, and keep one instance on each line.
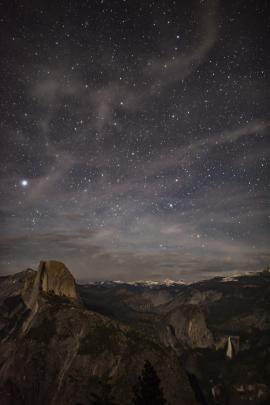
(135,145)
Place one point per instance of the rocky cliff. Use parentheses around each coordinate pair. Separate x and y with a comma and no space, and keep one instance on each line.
(54,277)
(63,343)
(56,351)
(219,328)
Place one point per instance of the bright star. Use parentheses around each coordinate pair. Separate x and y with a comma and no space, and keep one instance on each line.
(24,183)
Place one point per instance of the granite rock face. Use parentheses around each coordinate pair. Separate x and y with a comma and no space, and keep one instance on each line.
(62,343)
(189,327)
(55,278)
(52,278)
(219,328)
(54,350)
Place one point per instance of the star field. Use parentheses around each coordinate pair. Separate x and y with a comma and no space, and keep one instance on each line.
(135,137)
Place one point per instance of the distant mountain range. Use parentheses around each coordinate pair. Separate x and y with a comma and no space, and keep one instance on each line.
(146,283)
(168,283)
(71,344)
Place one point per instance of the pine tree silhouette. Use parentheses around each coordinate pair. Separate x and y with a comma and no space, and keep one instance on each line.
(147,391)
(104,397)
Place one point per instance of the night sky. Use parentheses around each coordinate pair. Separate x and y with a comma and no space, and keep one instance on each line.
(135,137)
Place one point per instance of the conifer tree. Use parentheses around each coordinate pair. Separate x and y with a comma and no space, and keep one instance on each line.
(148,391)
(104,397)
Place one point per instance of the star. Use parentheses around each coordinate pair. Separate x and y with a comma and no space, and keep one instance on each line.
(154,118)
(24,183)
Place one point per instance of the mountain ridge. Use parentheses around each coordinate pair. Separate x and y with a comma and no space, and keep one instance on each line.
(232,275)
(205,333)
